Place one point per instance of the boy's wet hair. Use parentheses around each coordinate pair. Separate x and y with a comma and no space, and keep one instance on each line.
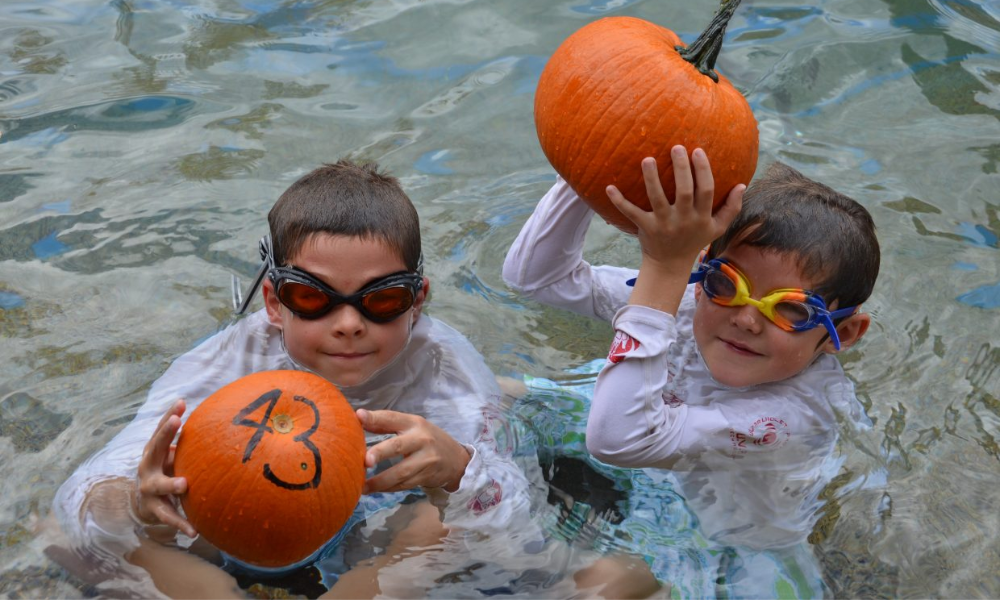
(345,198)
(831,235)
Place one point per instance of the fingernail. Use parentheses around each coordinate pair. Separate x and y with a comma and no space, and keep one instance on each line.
(698,152)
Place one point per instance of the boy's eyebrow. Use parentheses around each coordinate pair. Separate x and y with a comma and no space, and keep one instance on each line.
(363,285)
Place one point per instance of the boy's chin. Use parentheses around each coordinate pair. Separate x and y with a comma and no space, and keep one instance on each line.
(348,380)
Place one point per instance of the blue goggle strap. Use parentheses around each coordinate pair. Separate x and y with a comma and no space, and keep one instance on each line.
(695,278)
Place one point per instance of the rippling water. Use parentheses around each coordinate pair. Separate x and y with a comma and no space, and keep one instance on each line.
(143,142)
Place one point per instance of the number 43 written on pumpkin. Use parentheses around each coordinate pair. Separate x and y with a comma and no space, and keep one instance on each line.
(262,427)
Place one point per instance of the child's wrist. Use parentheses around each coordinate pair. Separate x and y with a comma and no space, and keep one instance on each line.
(667,267)
(456,483)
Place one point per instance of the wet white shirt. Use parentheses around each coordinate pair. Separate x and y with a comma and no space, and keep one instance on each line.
(749,461)
(438,375)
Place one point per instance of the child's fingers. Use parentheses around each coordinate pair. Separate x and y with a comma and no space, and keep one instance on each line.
(177,408)
(161,485)
(155,453)
(168,515)
(631,211)
(404,475)
(730,208)
(384,421)
(683,181)
(654,189)
(400,445)
(704,191)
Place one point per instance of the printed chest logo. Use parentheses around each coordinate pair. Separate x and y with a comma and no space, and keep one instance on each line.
(622,345)
(486,499)
(765,433)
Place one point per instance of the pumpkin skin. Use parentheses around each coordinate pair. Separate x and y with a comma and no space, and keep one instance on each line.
(616,91)
(275,466)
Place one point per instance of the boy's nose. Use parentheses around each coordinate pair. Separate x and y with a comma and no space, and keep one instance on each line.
(347,321)
(747,317)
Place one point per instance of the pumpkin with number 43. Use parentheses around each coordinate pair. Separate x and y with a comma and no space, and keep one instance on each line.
(621,89)
(275,465)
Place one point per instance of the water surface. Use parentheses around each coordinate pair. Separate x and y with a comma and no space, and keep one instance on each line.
(144,141)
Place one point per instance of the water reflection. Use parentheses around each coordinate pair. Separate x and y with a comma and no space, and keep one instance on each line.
(143,142)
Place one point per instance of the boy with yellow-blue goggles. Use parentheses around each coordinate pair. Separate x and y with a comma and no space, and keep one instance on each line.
(791,309)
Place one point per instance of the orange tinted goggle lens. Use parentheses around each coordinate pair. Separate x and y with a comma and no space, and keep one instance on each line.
(303,298)
(387,303)
(380,305)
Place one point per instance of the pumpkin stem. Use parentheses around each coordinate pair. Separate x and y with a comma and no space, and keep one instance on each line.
(704,51)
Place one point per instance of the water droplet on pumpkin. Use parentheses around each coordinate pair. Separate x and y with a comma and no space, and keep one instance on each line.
(642,131)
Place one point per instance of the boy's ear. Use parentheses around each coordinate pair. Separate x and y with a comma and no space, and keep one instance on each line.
(849,331)
(272,304)
(418,303)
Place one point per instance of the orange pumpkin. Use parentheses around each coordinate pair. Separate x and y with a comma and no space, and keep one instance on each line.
(621,89)
(274,463)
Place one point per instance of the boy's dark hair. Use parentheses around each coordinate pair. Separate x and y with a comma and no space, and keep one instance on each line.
(832,236)
(349,199)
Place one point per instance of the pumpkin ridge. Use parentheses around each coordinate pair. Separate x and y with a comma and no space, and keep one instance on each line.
(574,151)
(623,139)
(585,89)
(224,482)
(591,149)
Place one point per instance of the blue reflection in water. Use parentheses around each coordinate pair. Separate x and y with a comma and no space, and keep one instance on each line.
(987,296)
(964,266)
(9,300)
(48,246)
(978,235)
(600,7)
(432,162)
(59,207)
(150,112)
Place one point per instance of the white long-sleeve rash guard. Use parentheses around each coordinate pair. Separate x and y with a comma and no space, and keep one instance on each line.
(750,461)
(438,375)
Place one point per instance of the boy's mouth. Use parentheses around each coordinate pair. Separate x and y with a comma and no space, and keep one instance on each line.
(348,355)
(740,348)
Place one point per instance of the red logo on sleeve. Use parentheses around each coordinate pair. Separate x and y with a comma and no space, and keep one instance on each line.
(622,345)
(486,499)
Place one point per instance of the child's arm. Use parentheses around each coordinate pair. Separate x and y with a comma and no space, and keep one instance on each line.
(486,489)
(546,263)
(629,423)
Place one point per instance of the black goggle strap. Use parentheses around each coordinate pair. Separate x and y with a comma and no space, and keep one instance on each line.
(240,302)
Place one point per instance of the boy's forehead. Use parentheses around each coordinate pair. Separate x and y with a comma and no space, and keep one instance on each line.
(764,261)
(326,243)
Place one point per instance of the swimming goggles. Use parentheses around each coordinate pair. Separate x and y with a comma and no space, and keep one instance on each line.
(791,309)
(306,296)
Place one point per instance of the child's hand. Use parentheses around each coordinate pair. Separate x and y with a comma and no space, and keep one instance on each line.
(677,232)
(672,235)
(153,504)
(431,457)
